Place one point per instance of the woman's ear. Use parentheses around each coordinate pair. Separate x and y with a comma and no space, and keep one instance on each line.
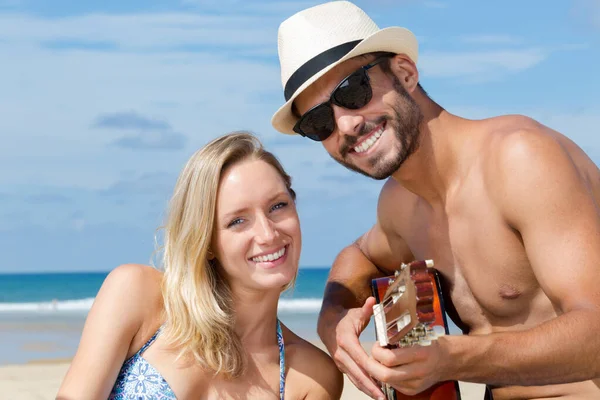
(210,255)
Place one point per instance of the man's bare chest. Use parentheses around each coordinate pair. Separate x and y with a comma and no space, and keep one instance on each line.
(485,269)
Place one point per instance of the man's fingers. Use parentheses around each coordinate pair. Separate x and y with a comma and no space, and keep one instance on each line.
(398,356)
(367,310)
(358,364)
(352,346)
(359,378)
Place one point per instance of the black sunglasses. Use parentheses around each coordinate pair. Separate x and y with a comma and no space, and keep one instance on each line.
(353,92)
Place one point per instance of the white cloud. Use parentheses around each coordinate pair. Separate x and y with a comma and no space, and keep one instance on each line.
(58,94)
(150,31)
(489,39)
(50,98)
(286,8)
(479,65)
(399,3)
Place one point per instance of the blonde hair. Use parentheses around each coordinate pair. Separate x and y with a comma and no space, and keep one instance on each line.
(198,301)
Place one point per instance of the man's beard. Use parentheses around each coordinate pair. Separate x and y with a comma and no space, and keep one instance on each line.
(405,122)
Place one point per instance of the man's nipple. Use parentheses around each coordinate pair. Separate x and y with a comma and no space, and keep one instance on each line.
(509,292)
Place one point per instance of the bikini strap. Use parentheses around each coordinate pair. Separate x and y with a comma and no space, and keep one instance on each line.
(149,342)
(281,361)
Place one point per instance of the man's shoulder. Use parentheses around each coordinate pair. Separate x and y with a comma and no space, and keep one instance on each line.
(512,140)
(503,131)
(518,148)
(510,122)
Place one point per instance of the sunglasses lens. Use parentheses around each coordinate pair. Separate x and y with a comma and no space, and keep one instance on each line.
(317,124)
(354,92)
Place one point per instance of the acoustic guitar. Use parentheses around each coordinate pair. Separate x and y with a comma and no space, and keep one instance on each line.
(410,312)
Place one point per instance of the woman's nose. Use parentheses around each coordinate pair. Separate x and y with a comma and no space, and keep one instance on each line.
(266,230)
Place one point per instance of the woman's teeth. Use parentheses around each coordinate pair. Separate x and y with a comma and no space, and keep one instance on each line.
(367,144)
(270,257)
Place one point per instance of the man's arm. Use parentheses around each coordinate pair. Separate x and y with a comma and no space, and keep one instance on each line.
(347,305)
(545,198)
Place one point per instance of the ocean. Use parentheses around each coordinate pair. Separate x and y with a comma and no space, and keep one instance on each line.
(41,315)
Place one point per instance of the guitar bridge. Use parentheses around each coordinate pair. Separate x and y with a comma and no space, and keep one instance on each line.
(422,335)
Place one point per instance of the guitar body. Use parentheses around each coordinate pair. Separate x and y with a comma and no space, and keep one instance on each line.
(410,311)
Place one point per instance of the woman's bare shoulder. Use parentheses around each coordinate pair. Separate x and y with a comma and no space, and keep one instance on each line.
(135,283)
(125,311)
(139,288)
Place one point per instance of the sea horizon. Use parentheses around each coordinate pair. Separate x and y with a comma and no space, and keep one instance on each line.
(42,314)
(76,290)
(97,271)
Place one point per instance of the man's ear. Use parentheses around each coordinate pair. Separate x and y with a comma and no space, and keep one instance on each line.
(406,71)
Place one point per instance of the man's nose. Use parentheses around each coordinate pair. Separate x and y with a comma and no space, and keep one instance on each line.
(349,122)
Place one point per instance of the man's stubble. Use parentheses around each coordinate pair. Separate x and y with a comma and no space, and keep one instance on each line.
(405,122)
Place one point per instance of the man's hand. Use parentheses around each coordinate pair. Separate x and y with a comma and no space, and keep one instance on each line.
(344,346)
(411,369)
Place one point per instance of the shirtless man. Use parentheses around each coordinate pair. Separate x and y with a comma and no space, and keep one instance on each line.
(506,207)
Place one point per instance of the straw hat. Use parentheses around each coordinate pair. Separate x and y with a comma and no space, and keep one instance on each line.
(315,40)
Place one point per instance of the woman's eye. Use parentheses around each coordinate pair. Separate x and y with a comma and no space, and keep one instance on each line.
(236,221)
(279,205)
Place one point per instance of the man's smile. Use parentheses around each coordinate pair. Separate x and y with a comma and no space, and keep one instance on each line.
(369,140)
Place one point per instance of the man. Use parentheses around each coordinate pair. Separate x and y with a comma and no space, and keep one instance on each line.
(506,207)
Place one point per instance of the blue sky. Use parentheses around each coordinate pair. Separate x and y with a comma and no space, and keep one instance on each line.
(103,102)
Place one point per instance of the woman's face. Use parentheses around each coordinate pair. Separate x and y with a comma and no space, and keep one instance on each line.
(256,238)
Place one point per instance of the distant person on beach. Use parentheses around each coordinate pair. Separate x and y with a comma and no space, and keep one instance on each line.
(207,327)
(506,207)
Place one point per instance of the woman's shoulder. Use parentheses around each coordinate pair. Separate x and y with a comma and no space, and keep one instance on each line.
(312,365)
(135,282)
(132,294)
(136,289)
(136,274)
(125,311)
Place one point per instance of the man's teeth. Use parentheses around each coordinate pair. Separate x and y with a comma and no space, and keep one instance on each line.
(270,257)
(366,145)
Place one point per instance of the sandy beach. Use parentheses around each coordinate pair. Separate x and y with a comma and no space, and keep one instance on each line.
(40,381)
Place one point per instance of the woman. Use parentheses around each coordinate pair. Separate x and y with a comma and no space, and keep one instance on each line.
(207,327)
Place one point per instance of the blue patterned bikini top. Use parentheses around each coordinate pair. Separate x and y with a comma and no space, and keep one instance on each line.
(139,380)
